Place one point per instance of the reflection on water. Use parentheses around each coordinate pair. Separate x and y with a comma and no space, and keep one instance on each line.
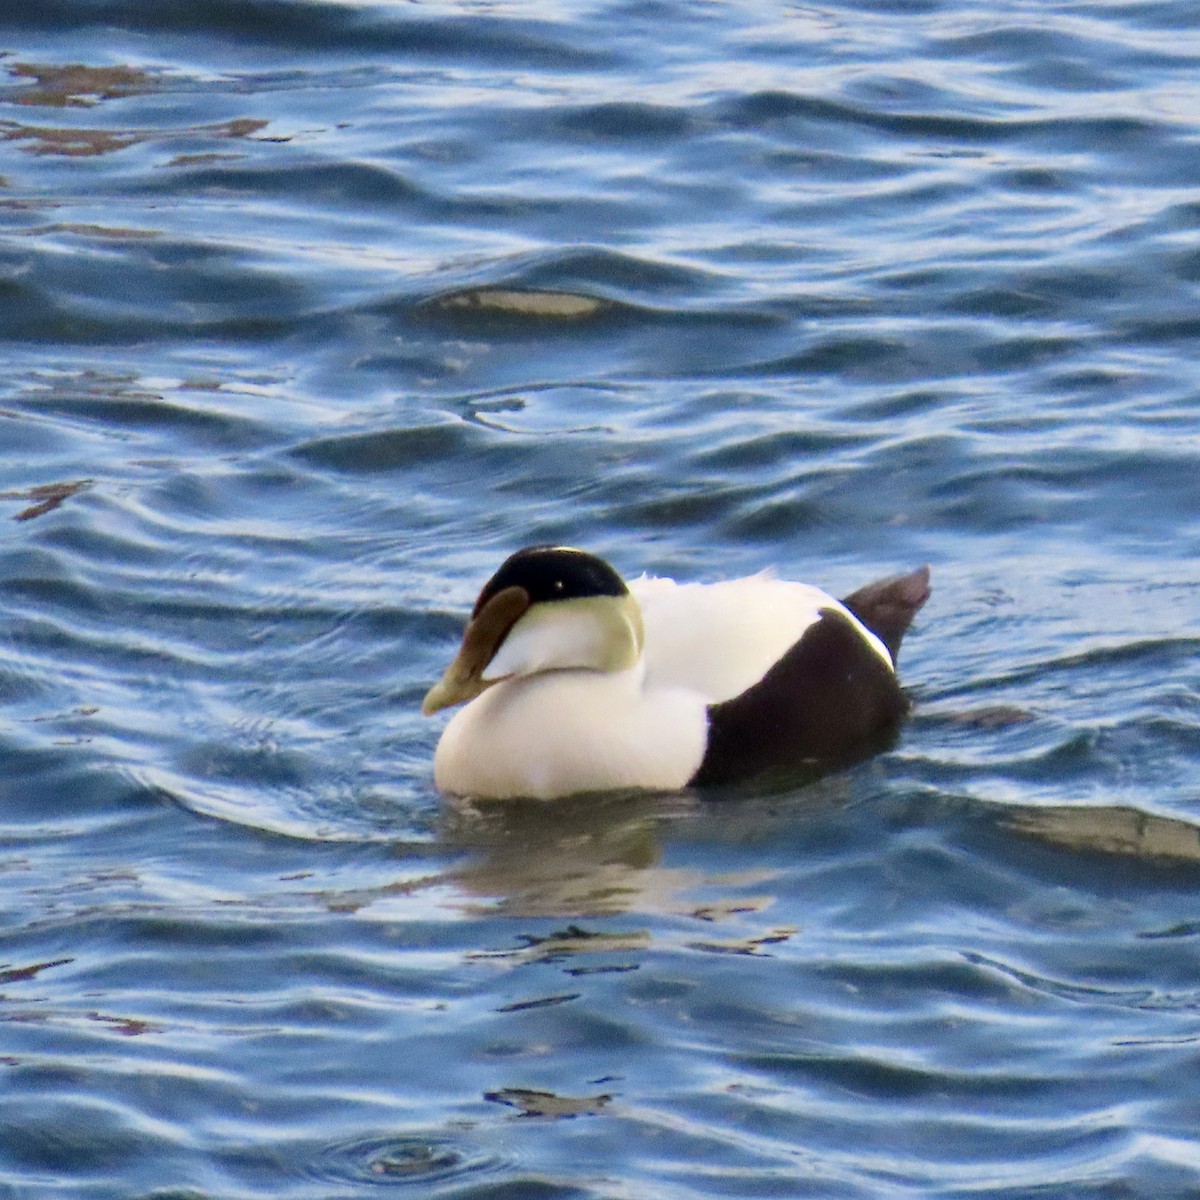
(46,497)
(517,303)
(85,143)
(547,1104)
(76,85)
(1128,832)
(80,86)
(586,856)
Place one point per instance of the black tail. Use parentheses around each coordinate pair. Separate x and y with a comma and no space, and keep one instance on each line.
(888,606)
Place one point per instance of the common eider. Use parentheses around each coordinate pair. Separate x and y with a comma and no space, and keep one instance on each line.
(577,682)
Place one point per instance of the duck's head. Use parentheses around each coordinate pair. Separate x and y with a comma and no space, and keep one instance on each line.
(548,608)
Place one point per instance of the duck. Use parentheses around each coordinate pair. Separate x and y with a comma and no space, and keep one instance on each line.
(571,680)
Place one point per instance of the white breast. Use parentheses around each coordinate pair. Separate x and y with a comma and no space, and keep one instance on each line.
(572,731)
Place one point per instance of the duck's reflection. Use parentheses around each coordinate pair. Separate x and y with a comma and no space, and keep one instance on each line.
(579,857)
(587,856)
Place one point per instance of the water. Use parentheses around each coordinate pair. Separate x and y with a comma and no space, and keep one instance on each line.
(312,312)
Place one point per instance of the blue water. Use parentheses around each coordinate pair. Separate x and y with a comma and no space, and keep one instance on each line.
(312,311)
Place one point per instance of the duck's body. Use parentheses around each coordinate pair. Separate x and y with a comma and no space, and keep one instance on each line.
(577,683)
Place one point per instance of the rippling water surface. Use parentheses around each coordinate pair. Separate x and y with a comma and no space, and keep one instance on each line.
(313,311)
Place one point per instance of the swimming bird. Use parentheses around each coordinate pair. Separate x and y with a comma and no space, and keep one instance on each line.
(574,681)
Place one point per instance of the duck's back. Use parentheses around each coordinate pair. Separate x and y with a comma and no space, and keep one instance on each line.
(719,639)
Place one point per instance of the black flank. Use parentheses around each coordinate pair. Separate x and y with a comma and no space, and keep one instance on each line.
(830,700)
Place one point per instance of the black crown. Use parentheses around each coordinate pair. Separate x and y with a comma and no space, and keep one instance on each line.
(553,573)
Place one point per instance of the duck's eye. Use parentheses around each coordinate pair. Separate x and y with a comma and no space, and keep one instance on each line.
(558,585)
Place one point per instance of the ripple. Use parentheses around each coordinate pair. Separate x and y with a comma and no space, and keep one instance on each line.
(374,451)
(325,183)
(1092,994)
(412,1159)
(362,29)
(1084,131)
(626,120)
